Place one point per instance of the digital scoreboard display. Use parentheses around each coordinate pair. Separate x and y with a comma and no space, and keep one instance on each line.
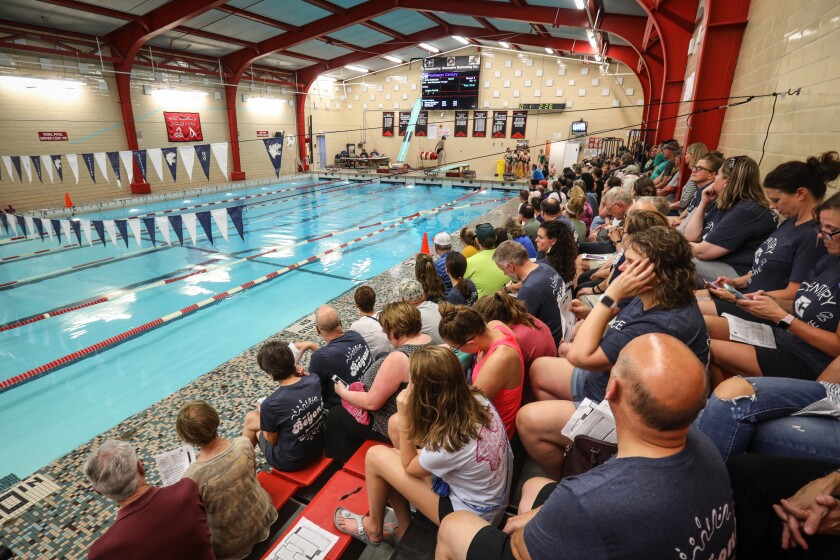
(450,82)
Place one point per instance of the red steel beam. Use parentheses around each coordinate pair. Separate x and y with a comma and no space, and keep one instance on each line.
(256,17)
(214,36)
(97,10)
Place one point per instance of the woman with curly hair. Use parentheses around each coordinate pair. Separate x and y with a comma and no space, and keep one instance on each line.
(426,273)
(453,454)
(658,276)
(557,243)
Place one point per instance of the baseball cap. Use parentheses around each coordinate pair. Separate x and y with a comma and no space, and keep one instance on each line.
(485,232)
(443,240)
(408,289)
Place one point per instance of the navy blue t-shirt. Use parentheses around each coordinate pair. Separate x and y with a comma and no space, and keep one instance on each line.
(696,200)
(788,255)
(740,230)
(541,293)
(455,296)
(685,501)
(683,323)
(440,266)
(296,414)
(817,302)
(348,356)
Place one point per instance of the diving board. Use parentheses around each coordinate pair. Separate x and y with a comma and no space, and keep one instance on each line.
(409,131)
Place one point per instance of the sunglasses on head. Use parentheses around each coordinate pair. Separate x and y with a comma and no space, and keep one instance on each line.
(733,160)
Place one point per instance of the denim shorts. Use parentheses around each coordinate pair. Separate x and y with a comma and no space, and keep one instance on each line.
(578,385)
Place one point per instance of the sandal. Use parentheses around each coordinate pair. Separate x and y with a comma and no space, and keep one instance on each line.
(344,513)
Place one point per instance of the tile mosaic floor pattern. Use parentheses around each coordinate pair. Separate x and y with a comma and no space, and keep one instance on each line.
(55,514)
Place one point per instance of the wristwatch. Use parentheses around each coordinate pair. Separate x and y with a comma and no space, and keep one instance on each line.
(608,301)
(786,322)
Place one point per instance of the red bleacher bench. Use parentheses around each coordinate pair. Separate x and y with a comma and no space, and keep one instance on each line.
(279,489)
(356,463)
(306,476)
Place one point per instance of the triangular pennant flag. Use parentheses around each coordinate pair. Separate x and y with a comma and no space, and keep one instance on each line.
(163,226)
(204,219)
(48,227)
(122,226)
(56,225)
(36,163)
(29,231)
(88,159)
(85,225)
(126,157)
(39,227)
(220,152)
(3,221)
(99,226)
(189,223)
(102,164)
(274,147)
(21,225)
(46,165)
(111,228)
(170,156)
(203,153)
(220,217)
(134,224)
(73,162)
(187,156)
(16,162)
(77,229)
(56,159)
(7,161)
(175,222)
(235,213)
(27,166)
(156,157)
(150,228)
(140,158)
(114,159)
(67,229)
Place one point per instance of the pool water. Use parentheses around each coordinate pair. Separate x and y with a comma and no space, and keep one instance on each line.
(55,413)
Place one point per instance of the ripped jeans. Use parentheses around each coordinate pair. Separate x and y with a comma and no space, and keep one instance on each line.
(762,423)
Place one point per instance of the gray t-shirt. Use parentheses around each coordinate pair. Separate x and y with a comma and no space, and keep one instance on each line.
(430,318)
(372,332)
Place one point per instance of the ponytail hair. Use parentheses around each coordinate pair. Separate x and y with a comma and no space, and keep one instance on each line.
(456,267)
(813,174)
(426,273)
(500,306)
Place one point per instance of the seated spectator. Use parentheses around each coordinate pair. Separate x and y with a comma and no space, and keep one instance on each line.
(374,153)
(659,457)
(658,203)
(499,369)
(346,354)
(524,195)
(239,511)
(517,233)
(288,425)
(411,291)
(552,210)
(382,382)
(501,236)
(693,154)
(363,153)
(443,246)
(731,221)
(463,290)
(600,219)
(367,324)
(617,203)
(703,174)
(447,430)
(643,187)
(529,223)
(574,211)
(557,248)
(471,246)
(587,215)
(669,184)
(480,268)
(152,522)
(425,272)
(662,173)
(658,275)
(542,287)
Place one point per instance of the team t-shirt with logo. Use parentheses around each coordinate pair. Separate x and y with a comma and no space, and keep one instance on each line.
(740,230)
(788,255)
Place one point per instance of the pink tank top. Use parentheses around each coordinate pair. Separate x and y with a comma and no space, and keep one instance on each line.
(507,401)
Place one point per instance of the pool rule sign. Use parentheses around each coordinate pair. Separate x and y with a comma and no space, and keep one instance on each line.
(499,124)
(387,124)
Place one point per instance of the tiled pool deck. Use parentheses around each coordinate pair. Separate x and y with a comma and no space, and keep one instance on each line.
(54,513)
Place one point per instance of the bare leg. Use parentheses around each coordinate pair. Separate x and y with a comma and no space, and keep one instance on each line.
(394,431)
(705,303)
(718,327)
(251,429)
(530,490)
(538,425)
(551,378)
(733,358)
(456,534)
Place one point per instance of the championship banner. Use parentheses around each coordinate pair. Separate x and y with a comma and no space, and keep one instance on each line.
(461,120)
(422,126)
(499,124)
(479,124)
(388,123)
(517,124)
(183,127)
(274,147)
(404,118)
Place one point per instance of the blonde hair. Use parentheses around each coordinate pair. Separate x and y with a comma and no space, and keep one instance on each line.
(697,151)
(426,273)
(576,205)
(744,183)
(400,319)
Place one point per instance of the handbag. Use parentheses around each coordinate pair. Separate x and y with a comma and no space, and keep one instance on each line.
(585,453)
(359,414)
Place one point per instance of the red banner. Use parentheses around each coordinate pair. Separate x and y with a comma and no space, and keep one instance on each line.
(183,127)
(52,136)
(262,134)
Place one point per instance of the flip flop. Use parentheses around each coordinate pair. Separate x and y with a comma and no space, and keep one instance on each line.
(344,513)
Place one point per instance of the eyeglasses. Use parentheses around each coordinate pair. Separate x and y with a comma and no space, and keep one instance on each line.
(461,345)
(827,234)
(701,168)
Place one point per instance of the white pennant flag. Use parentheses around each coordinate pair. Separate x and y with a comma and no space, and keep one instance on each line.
(134,224)
(187,156)
(73,162)
(102,164)
(111,228)
(220,152)
(13,223)
(220,217)
(68,231)
(7,161)
(30,226)
(155,156)
(189,222)
(86,230)
(46,163)
(27,166)
(163,225)
(127,158)
(48,227)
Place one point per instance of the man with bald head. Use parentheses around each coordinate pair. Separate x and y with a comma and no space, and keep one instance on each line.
(346,354)
(666,494)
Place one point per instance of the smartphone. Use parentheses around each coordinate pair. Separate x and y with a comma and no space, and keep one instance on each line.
(734,292)
(714,285)
(337,379)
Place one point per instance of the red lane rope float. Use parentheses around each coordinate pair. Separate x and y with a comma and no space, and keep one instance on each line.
(122,337)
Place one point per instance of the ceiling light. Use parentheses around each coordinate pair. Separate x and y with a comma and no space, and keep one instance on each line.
(504,45)
(32,83)
(598,57)
(579,4)
(181,92)
(393,59)
(460,39)
(428,47)
(356,68)
(549,51)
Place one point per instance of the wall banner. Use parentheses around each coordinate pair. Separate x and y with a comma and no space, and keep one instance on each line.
(461,122)
(183,127)
(517,125)
(388,123)
(422,126)
(479,124)
(404,118)
(499,124)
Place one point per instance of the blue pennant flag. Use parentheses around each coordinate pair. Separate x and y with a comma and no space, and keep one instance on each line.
(274,147)
(22,224)
(170,156)
(3,221)
(203,153)
(140,158)
(16,162)
(122,227)
(39,225)
(36,163)
(176,222)
(204,219)
(150,228)
(56,224)
(77,229)
(88,159)
(235,213)
(114,158)
(56,159)
(100,229)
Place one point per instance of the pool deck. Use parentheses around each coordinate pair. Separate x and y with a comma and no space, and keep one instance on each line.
(54,514)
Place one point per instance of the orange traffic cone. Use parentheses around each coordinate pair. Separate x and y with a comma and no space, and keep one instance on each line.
(425,247)
(67,202)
